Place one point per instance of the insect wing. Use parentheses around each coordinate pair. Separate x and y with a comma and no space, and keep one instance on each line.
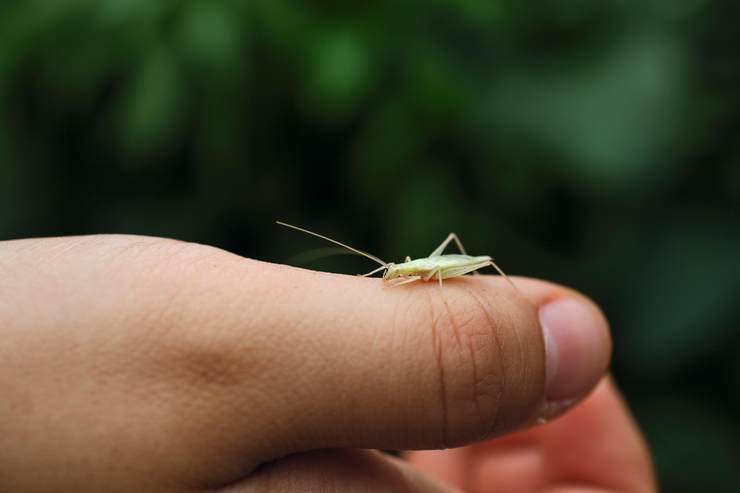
(461,270)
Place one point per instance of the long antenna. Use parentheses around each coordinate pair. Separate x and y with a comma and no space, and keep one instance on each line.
(360,252)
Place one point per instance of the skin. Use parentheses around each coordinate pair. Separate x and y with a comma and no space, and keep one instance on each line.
(142,364)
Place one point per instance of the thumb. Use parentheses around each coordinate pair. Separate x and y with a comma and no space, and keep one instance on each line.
(200,365)
(346,363)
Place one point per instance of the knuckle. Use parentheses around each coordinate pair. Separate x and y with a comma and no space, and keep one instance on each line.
(145,252)
(202,361)
(185,328)
(170,254)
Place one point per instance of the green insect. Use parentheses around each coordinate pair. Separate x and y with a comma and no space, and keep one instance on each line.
(436,266)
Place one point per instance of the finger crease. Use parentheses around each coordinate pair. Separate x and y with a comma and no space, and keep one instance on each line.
(440,369)
(501,387)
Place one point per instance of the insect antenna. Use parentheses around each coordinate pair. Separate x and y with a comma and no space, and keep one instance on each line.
(375,271)
(359,252)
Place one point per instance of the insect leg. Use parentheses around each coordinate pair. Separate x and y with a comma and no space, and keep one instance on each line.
(443,245)
(431,273)
(405,281)
(461,271)
(434,272)
(493,264)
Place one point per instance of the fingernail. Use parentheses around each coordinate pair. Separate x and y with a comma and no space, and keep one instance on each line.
(577,350)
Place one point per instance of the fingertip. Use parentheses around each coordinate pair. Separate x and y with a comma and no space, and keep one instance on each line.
(577,347)
(577,343)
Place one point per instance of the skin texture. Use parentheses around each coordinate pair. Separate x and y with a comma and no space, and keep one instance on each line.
(142,364)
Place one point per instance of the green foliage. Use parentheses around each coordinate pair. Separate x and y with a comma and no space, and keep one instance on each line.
(593,143)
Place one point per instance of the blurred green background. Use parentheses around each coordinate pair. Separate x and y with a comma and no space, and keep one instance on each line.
(590,143)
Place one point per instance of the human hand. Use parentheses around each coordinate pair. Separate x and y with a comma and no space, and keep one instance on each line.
(596,447)
(140,364)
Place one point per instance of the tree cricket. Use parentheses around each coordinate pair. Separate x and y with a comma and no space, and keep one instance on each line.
(437,265)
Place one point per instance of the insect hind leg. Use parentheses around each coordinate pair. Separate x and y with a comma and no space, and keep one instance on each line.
(498,269)
(451,237)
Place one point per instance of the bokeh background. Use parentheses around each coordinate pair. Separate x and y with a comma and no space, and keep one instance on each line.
(591,143)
